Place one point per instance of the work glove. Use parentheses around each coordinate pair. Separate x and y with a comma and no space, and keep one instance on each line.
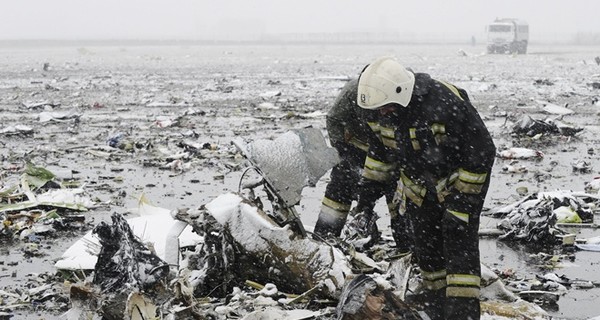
(362,231)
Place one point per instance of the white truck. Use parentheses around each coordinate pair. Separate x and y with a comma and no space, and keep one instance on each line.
(507,36)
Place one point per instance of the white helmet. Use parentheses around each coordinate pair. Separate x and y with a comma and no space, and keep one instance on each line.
(385,81)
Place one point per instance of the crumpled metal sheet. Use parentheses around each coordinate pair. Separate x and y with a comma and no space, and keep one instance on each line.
(354,296)
(533,219)
(294,160)
(531,127)
(124,262)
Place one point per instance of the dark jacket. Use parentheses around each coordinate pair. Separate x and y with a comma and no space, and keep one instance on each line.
(438,135)
(347,122)
(440,131)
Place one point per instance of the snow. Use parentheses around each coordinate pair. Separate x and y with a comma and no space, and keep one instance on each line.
(223,206)
(155,226)
(257,234)
(128,81)
(74,196)
(520,153)
(558,110)
(283,152)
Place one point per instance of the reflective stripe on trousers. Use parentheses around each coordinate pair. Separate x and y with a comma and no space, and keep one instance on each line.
(463,285)
(377,170)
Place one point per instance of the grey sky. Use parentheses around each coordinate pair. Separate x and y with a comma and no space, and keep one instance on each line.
(189,19)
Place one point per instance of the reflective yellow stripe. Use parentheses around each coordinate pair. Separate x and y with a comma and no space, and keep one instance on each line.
(336,205)
(414,197)
(374,126)
(445,182)
(461,216)
(375,175)
(412,132)
(434,280)
(439,132)
(442,186)
(359,144)
(461,292)
(471,177)
(400,198)
(377,170)
(390,143)
(388,137)
(416,145)
(463,285)
(378,165)
(330,214)
(468,187)
(400,187)
(388,132)
(470,182)
(463,280)
(434,275)
(438,128)
(434,285)
(413,191)
(452,88)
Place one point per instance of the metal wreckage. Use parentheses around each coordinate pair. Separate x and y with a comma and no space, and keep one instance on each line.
(246,255)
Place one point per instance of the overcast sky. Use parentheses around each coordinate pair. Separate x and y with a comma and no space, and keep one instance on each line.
(194,19)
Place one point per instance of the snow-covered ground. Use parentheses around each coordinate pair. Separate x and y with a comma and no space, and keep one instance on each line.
(168,97)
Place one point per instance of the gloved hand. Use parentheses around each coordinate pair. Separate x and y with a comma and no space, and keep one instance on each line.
(362,231)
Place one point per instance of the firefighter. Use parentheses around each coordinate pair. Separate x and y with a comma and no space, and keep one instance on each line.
(445,154)
(351,129)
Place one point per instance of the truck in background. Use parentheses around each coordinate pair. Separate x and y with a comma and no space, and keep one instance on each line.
(507,36)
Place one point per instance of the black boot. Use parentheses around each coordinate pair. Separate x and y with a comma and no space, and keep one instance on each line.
(327,229)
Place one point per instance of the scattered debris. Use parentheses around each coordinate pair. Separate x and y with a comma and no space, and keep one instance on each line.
(17,130)
(581,166)
(362,298)
(125,267)
(593,187)
(70,115)
(514,167)
(533,219)
(543,82)
(531,127)
(555,109)
(520,153)
(176,128)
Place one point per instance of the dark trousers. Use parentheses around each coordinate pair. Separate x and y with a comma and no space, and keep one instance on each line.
(344,178)
(341,189)
(448,247)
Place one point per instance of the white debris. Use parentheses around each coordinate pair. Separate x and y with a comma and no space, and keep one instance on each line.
(16,129)
(154,226)
(520,153)
(593,187)
(270,94)
(555,109)
(257,233)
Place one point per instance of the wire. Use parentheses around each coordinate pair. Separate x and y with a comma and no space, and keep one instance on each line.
(242,178)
